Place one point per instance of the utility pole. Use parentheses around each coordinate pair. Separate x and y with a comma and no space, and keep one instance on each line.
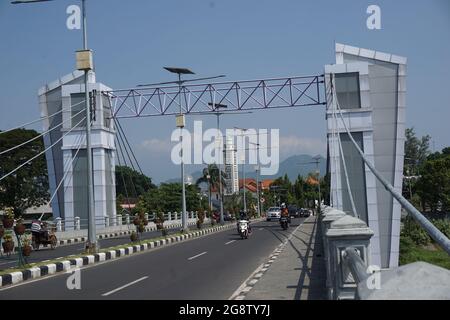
(180,123)
(257,191)
(92,236)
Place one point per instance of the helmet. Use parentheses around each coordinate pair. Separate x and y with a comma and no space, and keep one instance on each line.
(283,205)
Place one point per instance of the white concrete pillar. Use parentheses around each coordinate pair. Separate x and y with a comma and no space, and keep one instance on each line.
(59,224)
(119,219)
(127,218)
(77,223)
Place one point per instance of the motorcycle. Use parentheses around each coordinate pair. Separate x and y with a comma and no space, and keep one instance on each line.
(284,223)
(243,229)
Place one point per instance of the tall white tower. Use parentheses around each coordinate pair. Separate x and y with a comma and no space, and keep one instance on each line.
(231,168)
(65,97)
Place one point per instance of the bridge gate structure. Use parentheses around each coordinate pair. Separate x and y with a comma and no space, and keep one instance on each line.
(368,85)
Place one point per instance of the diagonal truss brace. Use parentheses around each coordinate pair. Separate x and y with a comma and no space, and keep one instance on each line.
(237,95)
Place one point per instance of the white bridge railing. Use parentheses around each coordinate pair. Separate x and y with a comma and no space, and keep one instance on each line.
(105,222)
(350,274)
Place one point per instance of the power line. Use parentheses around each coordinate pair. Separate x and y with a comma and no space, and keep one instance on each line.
(42,118)
(42,134)
(42,152)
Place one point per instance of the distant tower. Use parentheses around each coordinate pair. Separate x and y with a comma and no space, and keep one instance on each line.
(231,168)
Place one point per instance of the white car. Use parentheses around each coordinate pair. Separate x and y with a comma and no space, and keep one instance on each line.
(273,213)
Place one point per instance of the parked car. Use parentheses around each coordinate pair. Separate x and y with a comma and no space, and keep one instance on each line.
(273,213)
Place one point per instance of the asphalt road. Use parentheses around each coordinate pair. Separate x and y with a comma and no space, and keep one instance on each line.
(44,254)
(211,267)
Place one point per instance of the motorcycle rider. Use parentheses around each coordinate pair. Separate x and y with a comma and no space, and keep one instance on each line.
(244,216)
(39,229)
(285,212)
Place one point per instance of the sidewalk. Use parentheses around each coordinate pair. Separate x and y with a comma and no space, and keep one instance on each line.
(298,273)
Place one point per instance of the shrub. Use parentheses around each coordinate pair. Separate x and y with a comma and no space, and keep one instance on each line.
(443,226)
(415,232)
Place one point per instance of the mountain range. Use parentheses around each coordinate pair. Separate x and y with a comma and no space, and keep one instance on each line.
(293,166)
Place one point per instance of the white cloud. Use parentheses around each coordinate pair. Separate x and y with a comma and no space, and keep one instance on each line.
(293,145)
(157,145)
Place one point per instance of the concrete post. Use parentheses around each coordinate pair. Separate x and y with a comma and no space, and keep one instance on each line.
(146,216)
(328,216)
(59,224)
(119,219)
(106,222)
(169,216)
(77,223)
(346,232)
(127,219)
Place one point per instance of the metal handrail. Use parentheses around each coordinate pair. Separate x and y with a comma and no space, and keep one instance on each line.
(355,263)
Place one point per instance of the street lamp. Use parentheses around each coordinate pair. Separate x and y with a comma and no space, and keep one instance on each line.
(317,161)
(84,62)
(217,106)
(180,123)
(243,171)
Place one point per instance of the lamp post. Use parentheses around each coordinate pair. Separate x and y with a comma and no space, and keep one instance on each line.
(243,170)
(180,123)
(257,191)
(316,161)
(215,107)
(84,62)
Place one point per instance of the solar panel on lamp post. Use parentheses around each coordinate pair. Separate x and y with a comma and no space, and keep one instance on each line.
(180,122)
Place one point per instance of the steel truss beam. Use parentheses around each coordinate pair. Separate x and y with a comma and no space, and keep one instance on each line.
(237,95)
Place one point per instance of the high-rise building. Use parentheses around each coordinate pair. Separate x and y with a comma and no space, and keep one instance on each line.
(231,168)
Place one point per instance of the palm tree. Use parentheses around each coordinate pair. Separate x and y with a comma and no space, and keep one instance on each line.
(211,177)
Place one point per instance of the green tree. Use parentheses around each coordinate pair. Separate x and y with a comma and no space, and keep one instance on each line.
(131,182)
(433,185)
(28,186)
(416,151)
(167,197)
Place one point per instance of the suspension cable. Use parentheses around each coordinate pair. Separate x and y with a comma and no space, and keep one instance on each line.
(42,152)
(127,142)
(125,162)
(42,118)
(123,181)
(42,134)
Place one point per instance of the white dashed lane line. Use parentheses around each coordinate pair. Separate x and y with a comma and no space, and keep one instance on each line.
(124,286)
(196,256)
(230,242)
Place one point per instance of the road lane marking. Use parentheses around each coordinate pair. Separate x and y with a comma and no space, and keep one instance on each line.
(230,242)
(124,286)
(198,255)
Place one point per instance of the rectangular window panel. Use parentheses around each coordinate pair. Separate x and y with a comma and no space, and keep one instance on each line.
(347,90)
(356,175)
(77,106)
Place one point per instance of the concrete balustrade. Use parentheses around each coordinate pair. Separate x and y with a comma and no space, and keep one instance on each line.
(77,223)
(350,274)
(59,227)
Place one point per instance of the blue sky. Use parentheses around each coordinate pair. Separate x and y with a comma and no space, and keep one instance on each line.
(132,40)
